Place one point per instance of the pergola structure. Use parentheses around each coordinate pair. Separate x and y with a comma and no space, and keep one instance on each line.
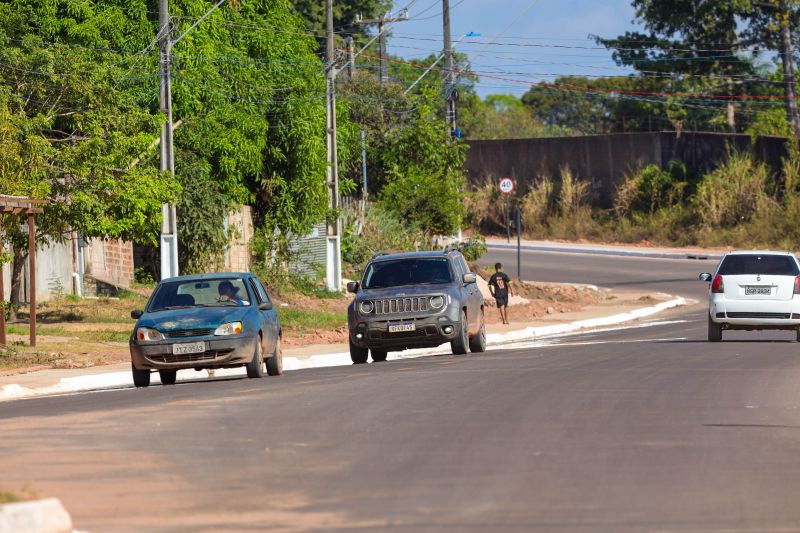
(20,205)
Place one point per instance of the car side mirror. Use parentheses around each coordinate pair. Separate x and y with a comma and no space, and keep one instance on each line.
(136,314)
(705,276)
(470,277)
(266,306)
(352,286)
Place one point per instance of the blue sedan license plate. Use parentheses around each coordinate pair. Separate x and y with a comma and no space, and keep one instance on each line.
(399,327)
(188,347)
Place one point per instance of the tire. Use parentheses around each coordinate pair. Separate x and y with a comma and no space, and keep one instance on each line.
(358,355)
(378,356)
(715,331)
(141,378)
(798,335)
(168,377)
(477,343)
(275,363)
(461,343)
(255,368)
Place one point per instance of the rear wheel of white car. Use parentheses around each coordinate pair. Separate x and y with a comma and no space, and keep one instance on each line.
(798,335)
(715,331)
(358,354)
(461,343)
(275,363)
(168,377)
(141,378)
(255,368)
(379,356)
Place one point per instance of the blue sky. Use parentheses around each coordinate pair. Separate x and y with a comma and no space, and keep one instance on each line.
(539,45)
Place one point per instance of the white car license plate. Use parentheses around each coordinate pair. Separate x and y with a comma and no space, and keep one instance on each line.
(399,327)
(762,291)
(188,347)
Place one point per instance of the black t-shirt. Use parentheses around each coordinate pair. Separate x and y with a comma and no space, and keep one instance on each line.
(500,281)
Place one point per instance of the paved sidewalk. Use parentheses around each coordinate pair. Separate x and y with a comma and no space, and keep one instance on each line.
(609,249)
(624,307)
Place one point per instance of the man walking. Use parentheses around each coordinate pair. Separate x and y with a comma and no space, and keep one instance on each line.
(500,287)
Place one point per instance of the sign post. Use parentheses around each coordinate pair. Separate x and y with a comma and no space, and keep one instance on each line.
(507,187)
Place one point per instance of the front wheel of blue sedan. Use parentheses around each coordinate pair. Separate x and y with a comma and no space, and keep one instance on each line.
(141,378)
(255,368)
(275,363)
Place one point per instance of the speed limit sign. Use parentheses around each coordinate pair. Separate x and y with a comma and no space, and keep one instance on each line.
(507,186)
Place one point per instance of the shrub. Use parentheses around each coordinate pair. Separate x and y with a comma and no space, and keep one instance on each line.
(485,207)
(474,248)
(734,193)
(536,205)
(572,193)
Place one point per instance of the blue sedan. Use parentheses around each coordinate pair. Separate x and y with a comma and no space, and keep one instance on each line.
(206,321)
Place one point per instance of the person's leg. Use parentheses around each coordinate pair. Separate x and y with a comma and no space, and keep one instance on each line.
(505,314)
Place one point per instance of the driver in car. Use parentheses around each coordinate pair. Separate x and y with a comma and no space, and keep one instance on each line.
(227,293)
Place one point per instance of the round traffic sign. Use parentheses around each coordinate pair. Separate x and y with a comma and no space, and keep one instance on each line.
(506,186)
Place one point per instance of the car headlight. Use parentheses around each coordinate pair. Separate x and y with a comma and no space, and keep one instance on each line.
(437,302)
(366,307)
(231,328)
(148,335)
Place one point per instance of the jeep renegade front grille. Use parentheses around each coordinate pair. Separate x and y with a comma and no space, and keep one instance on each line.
(401,305)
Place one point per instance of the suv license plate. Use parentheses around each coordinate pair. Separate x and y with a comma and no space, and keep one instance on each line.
(763,291)
(188,347)
(399,327)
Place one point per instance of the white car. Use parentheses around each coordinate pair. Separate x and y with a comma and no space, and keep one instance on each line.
(754,290)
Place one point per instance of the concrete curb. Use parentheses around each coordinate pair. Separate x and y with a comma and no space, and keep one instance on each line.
(581,249)
(40,516)
(114,380)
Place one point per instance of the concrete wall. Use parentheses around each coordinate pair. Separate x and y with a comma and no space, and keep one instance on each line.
(110,260)
(604,160)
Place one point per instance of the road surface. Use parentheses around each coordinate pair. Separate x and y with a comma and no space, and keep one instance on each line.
(642,429)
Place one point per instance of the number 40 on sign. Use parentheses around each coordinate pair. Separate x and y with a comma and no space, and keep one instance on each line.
(506,186)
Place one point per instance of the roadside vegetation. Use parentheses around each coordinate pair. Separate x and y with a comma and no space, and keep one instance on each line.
(740,204)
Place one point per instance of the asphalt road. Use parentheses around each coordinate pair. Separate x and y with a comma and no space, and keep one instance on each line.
(643,429)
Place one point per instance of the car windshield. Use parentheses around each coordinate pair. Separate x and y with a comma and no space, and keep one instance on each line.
(408,272)
(199,293)
(776,265)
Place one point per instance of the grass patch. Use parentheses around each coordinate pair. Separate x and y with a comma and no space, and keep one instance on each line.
(299,320)
(100,310)
(12,496)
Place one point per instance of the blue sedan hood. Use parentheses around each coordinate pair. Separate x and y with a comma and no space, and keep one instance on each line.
(193,318)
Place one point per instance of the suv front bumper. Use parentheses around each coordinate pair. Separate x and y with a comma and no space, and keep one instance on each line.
(428,332)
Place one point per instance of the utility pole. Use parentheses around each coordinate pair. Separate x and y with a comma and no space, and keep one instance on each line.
(381,22)
(333,269)
(351,57)
(169,223)
(449,75)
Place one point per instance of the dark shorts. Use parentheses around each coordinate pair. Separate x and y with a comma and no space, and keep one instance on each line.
(502,301)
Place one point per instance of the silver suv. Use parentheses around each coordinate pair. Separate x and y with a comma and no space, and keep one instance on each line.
(415,300)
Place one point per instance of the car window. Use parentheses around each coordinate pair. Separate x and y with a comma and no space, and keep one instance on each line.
(258,297)
(462,265)
(411,271)
(199,293)
(776,265)
(262,292)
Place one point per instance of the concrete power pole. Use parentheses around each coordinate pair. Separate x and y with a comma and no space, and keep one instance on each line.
(383,53)
(351,56)
(449,75)
(333,270)
(169,223)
